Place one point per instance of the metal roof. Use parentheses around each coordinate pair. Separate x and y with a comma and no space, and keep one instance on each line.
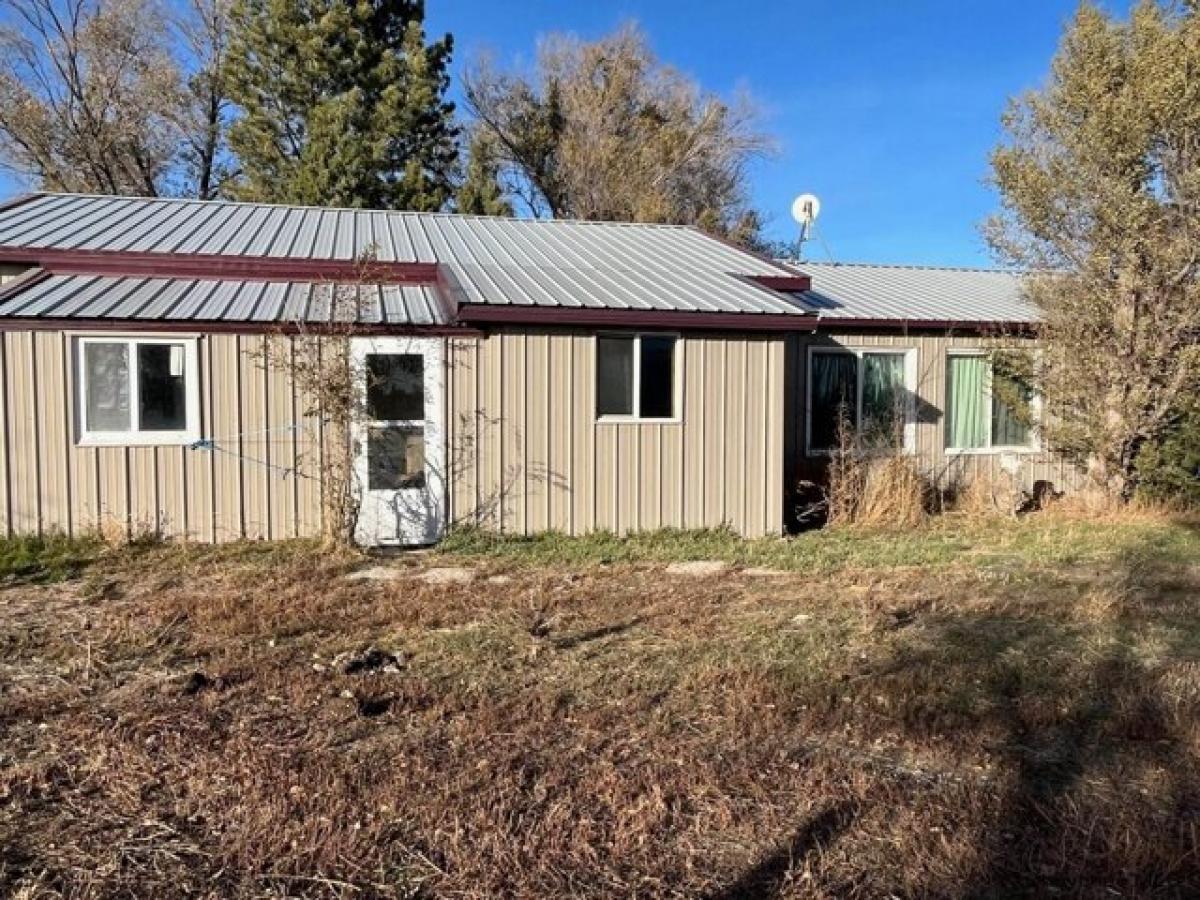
(914,294)
(494,261)
(100,297)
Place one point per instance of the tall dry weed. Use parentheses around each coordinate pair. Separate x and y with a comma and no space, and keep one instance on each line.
(874,485)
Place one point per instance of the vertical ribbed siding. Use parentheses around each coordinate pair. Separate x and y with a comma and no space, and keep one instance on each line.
(530,454)
(947,470)
(526,452)
(261,482)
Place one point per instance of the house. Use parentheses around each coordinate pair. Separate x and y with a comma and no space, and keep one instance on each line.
(522,375)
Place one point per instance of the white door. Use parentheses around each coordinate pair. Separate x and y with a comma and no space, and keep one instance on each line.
(400,458)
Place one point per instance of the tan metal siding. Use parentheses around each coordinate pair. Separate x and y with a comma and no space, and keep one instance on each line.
(21,433)
(581,349)
(948,470)
(262,482)
(523,411)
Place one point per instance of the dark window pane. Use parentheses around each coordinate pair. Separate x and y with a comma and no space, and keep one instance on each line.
(614,376)
(1010,411)
(162,388)
(396,386)
(883,399)
(657,378)
(107,402)
(834,387)
(395,457)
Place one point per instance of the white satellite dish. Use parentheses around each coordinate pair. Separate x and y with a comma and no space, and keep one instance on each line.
(805,209)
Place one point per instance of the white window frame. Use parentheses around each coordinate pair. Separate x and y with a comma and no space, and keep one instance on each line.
(1035,408)
(676,379)
(135,437)
(910,386)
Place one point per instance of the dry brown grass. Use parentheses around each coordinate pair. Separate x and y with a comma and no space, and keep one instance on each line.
(894,494)
(874,486)
(985,496)
(986,728)
(877,491)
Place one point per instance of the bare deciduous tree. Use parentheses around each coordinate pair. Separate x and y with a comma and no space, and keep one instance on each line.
(204,30)
(604,131)
(90,95)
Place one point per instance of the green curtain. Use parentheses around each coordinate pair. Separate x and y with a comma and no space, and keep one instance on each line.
(966,402)
(834,384)
(883,398)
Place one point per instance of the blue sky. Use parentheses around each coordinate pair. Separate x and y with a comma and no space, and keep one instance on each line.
(886,110)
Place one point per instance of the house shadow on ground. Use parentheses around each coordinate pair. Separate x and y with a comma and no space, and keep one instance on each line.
(1081,686)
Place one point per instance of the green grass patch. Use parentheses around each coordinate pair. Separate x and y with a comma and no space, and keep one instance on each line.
(44,559)
(982,544)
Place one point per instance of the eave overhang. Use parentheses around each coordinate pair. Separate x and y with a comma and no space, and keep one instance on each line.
(486,314)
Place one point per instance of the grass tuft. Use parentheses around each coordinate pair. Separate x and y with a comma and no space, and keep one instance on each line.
(44,559)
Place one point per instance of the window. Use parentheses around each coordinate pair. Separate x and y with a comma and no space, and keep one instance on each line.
(138,391)
(396,427)
(986,409)
(396,386)
(395,457)
(870,389)
(635,376)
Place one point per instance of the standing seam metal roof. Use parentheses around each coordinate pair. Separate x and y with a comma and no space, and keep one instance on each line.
(844,291)
(493,261)
(197,299)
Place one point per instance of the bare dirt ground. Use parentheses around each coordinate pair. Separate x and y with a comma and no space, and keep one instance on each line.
(1018,717)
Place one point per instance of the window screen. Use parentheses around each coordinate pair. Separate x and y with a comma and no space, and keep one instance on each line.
(614,376)
(107,375)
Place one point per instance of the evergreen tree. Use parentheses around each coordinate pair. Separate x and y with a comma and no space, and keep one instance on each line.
(342,102)
(480,193)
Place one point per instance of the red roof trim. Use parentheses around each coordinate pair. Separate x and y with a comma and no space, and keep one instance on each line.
(447,293)
(200,265)
(193,326)
(477,313)
(783,282)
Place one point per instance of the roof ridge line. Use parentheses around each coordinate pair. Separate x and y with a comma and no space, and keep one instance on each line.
(920,267)
(218,267)
(350,209)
